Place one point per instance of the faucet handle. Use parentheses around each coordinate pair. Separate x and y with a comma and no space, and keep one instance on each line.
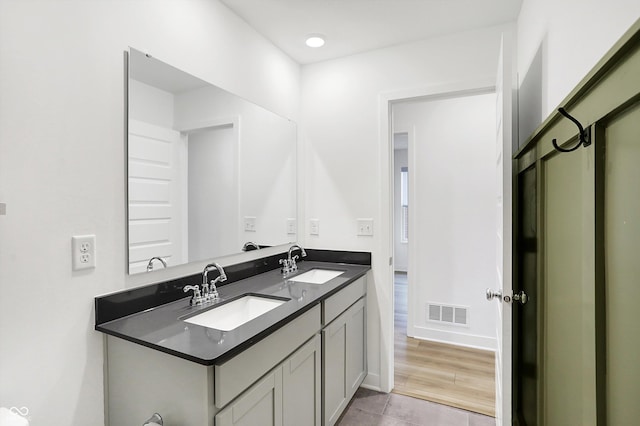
(294,266)
(286,266)
(213,295)
(196,298)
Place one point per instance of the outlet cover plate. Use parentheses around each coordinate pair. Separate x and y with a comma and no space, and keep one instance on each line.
(83,252)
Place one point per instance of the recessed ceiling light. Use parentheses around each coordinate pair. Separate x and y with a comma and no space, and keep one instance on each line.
(315,40)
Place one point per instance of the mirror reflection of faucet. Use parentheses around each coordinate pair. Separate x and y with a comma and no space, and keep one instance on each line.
(249,246)
(295,290)
(209,291)
(216,335)
(150,264)
(155,420)
(298,295)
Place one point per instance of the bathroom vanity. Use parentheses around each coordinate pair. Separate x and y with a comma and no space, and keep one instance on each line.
(297,364)
(274,349)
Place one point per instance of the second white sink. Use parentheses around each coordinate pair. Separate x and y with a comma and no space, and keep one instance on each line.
(316,276)
(235,313)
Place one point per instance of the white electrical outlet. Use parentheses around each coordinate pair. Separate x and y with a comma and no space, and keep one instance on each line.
(250,223)
(314,226)
(291,226)
(83,251)
(365,227)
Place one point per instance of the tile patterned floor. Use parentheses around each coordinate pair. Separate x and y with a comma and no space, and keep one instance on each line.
(371,408)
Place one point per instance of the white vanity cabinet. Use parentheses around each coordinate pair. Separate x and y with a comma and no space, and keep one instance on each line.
(302,374)
(343,349)
(274,382)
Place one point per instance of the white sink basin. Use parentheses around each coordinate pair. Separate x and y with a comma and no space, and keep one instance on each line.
(316,276)
(233,314)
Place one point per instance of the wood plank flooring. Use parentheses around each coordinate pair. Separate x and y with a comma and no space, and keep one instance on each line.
(447,374)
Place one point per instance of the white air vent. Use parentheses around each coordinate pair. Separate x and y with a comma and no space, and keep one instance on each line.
(448,314)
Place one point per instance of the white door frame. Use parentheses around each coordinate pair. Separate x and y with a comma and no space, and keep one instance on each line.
(383,268)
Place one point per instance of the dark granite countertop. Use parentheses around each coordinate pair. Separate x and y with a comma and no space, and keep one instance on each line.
(162,327)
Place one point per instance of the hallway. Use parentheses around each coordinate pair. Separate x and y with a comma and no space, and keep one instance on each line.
(435,384)
(458,376)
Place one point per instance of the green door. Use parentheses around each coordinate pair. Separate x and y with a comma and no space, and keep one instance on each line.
(568,379)
(622,266)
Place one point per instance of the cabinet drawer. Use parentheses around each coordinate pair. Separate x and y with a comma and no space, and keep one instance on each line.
(237,374)
(339,302)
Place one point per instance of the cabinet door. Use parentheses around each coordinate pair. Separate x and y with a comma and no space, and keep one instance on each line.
(343,360)
(301,386)
(261,405)
(356,360)
(334,392)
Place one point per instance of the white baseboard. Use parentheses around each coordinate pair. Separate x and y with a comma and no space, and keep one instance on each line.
(455,338)
(372,381)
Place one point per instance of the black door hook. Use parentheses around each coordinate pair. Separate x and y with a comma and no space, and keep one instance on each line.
(585,134)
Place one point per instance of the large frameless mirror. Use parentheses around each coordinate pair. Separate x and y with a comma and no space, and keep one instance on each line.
(207,170)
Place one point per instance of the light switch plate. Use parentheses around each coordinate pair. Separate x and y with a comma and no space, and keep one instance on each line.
(314,226)
(291,226)
(250,223)
(365,227)
(3,209)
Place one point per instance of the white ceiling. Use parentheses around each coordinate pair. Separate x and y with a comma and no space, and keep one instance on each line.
(353,26)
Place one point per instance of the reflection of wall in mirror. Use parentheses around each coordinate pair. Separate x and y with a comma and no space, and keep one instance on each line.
(267,166)
(250,172)
(213,192)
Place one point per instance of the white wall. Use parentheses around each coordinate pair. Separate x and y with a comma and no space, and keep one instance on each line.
(559,42)
(62,171)
(340,142)
(452,211)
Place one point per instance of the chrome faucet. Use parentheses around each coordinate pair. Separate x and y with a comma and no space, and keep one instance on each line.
(249,244)
(150,264)
(289,264)
(211,293)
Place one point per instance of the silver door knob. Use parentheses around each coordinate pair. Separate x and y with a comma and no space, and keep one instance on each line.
(493,294)
(521,297)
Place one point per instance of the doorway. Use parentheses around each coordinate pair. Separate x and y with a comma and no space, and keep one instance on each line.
(444,248)
(212,176)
